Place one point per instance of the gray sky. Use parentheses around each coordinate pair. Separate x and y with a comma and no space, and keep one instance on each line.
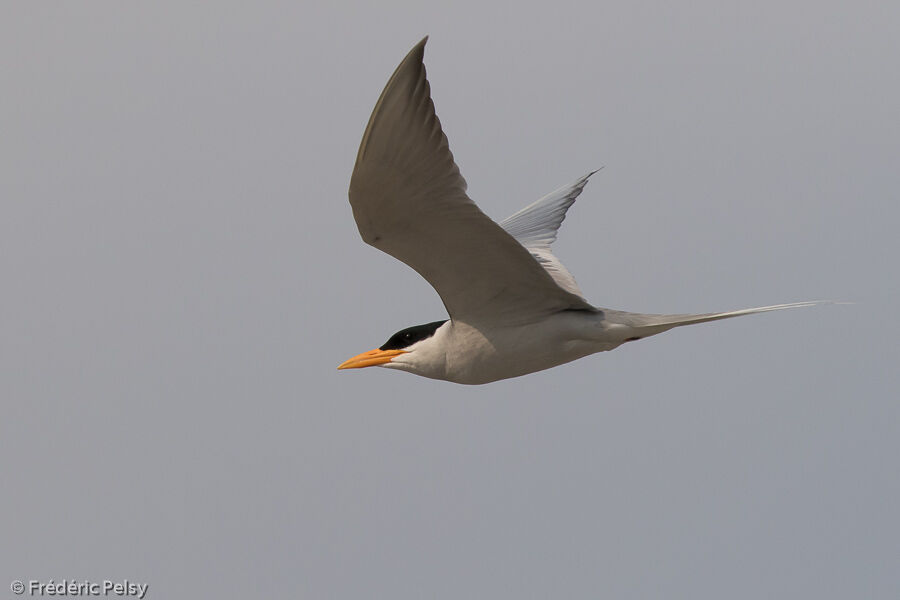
(182,275)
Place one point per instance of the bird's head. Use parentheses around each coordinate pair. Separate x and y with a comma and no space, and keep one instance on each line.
(401,349)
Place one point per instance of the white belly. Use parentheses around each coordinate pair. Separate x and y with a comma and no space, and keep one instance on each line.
(475,356)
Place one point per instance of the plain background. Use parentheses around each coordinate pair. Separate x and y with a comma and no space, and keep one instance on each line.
(181,276)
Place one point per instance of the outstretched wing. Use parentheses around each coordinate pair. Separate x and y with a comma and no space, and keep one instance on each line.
(535,227)
(410,201)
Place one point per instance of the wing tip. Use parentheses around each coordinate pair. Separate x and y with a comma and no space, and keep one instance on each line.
(416,56)
(592,173)
(412,65)
(417,51)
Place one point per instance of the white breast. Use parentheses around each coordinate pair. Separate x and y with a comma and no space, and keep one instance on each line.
(463,353)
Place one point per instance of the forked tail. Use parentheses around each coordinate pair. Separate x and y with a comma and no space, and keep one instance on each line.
(645,325)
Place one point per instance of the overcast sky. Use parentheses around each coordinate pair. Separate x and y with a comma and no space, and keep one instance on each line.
(182,274)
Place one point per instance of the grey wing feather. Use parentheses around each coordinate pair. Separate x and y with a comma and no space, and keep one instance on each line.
(536,226)
(409,200)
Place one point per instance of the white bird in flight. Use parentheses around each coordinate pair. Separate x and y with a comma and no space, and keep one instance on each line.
(514,308)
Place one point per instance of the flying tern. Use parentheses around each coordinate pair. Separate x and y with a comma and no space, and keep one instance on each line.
(514,308)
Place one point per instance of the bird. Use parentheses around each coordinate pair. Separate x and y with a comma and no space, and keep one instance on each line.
(513,307)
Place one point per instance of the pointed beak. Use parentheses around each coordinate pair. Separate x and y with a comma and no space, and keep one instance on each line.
(370,359)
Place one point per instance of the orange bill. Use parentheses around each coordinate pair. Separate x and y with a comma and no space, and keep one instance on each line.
(370,359)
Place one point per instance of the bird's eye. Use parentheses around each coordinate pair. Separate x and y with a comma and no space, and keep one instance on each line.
(407,337)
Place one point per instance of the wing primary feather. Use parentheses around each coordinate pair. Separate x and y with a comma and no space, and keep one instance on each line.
(537,224)
(536,227)
(409,200)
